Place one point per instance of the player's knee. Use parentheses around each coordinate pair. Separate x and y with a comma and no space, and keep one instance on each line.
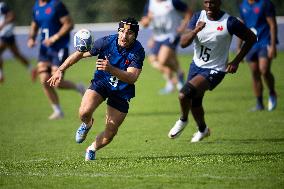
(265,72)
(84,114)
(44,75)
(44,83)
(187,91)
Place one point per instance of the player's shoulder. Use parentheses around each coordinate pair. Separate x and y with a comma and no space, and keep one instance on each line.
(198,13)
(137,49)
(138,45)
(58,4)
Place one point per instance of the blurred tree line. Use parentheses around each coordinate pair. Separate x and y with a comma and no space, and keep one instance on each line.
(95,11)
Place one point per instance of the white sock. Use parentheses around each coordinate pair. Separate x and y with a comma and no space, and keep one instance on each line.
(92,147)
(169,85)
(56,108)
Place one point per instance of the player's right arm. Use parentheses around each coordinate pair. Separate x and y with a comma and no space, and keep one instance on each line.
(187,14)
(71,60)
(9,17)
(188,36)
(147,16)
(192,29)
(32,35)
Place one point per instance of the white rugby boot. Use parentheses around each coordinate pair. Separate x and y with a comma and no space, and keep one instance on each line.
(198,136)
(177,129)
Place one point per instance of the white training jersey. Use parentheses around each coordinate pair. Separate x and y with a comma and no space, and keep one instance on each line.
(212,43)
(166,19)
(7,30)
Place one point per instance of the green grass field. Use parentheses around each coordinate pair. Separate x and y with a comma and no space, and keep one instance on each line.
(245,149)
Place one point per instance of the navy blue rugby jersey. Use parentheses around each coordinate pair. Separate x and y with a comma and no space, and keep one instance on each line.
(47,18)
(254,15)
(121,58)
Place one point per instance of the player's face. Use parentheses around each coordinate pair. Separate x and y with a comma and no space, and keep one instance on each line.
(126,37)
(212,7)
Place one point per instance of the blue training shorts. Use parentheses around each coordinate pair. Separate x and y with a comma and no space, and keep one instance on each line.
(157,45)
(256,53)
(212,76)
(113,98)
(8,40)
(55,57)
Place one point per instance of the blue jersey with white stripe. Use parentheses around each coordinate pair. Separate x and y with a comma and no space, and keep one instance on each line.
(47,18)
(118,57)
(254,15)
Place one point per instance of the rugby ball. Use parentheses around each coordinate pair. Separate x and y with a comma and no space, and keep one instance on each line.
(83,40)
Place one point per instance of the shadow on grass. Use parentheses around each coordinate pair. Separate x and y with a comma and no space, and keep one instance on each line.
(165,113)
(229,155)
(248,141)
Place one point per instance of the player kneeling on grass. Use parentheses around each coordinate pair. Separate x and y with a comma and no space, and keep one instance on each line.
(211,30)
(119,64)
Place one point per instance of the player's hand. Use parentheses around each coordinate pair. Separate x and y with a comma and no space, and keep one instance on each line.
(51,40)
(232,67)
(272,52)
(103,64)
(55,78)
(200,25)
(31,43)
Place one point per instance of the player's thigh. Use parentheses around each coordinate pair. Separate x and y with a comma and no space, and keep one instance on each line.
(14,49)
(164,54)
(264,65)
(173,61)
(254,67)
(200,83)
(44,71)
(90,101)
(152,58)
(3,46)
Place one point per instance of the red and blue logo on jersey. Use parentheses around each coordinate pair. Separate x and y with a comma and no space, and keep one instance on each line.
(48,10)
(127,62)
(256,10)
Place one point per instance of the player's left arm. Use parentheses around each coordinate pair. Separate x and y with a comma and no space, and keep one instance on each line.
(271,20)
(235,27)
(129,76)
(132,73)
